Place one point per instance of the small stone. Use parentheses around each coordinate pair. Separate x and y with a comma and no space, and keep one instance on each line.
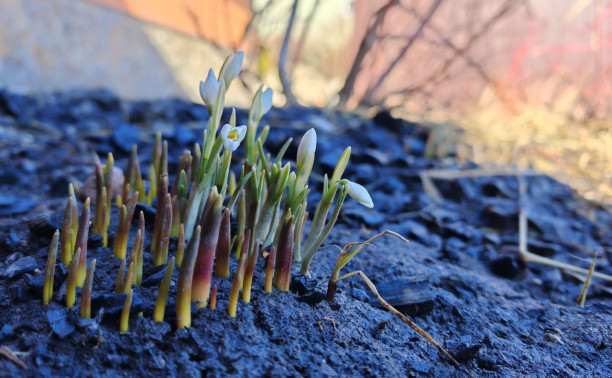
(15,205)
(124,137)
(555,339)
(58,320)
(23,265)
(505,266)
(45,224)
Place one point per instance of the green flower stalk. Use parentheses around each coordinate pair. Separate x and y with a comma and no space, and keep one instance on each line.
(185,279)
(125,313)
(231,188)
(120,277)
(180,250)
(348,252)
(241,221)
(318,233)
(162,294)
(248,274)
(176,216)
(67,235)
(213,298)
(160,255)
(86,293)
(202,275)
(50,269)
(222,255)
(81,243)
(71,281)
(270,270)
(262,103)
(284,256)
(239,276)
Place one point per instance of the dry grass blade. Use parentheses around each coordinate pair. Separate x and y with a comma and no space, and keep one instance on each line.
(11,356)
(587,282)
(529,257)
(403,318)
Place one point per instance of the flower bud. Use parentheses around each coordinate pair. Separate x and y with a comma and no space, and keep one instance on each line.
(359,194)
(307,144)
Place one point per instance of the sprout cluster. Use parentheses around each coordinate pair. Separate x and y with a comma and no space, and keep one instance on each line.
(268,199)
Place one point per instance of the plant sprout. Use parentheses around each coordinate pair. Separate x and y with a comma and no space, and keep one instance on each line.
(268,198)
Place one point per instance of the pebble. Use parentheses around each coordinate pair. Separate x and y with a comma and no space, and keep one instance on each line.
(23,265)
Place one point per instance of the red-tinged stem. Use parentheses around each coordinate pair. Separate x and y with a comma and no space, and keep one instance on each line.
(248,274)
(81,242)
(86,293)
(213,298)
(185,279)
(162,190)
(120,277)
(163,235)
(125,313)
(139,264)
(270,270)
(222,259)
(127,286)
(176,216)
(99,185)
(180,250)
(239,276)
(284,257)
(202,275)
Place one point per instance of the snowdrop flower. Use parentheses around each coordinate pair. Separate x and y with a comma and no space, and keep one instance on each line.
(209,89)
(266,101)
(359,194)
(232,136)
(308,144)
(231,67)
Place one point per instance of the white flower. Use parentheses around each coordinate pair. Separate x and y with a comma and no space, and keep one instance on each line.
(307,144)
(359,194)
(232,136)
(266,101)
(209,89)
(232,67)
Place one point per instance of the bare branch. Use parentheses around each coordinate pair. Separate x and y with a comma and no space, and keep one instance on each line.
(282,59)
(424,21)
(366,44)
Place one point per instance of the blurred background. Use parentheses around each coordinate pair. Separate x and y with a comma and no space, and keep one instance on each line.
(526,83)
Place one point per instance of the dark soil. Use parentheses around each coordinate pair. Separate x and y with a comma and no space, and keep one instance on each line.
(463,280)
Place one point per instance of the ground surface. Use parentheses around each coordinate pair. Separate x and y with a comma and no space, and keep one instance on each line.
(497,316)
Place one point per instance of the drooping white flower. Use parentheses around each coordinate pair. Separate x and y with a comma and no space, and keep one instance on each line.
(307,144)
(232,67)
(266,101)
(359,194)
(232,136)
(209,89)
